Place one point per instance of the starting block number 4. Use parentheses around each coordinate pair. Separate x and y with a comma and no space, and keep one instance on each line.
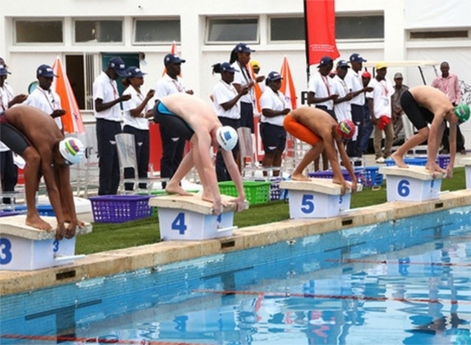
(179,223)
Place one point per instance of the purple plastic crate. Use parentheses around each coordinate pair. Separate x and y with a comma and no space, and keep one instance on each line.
(4,213)
(330,174)
(120,208)
(443,161)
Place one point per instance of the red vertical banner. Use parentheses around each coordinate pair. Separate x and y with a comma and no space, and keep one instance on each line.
(319,16)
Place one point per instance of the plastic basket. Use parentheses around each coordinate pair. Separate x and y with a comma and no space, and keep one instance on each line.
(255,192)
(421,161)
(120,208)
(43,210)
(330,174)
(371,177)
(443,161)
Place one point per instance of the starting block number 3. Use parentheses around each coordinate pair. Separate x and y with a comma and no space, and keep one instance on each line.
(6,252)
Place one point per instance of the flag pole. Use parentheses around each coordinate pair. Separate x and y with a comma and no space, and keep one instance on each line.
(306,38)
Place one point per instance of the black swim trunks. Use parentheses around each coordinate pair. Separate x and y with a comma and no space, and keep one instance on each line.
(171,123)
(11,137)
(419,116)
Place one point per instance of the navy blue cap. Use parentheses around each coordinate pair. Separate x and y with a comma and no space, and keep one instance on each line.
(273,76)
(133,72)
(3,70)
(326,60)
(355,57)
(226,67)
(342,63)
(45,71)
(243,48)
(117,64)
(172,58)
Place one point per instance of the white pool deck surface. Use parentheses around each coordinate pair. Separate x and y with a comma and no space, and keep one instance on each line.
(154,255)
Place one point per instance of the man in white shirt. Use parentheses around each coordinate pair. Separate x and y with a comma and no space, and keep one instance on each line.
(44,98)
(321,89)
(172,147)
(380,105)
(108,123)
(355,84)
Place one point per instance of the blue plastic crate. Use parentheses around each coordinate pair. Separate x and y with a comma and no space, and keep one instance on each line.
(43,210)
(421,161)
(371,177)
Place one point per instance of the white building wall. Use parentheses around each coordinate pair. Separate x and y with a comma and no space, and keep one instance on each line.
(399,15)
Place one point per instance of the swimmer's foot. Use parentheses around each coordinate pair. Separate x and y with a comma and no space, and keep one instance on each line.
(300,177)
(176,189)
(36,222)
(399,161)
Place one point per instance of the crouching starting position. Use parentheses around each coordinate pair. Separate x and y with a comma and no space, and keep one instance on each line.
(423,105)
(34,135)
(191,118)
(319,129)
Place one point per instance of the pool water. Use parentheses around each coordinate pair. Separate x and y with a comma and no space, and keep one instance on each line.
(398,282)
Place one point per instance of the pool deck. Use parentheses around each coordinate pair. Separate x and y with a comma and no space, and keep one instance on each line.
(154,255)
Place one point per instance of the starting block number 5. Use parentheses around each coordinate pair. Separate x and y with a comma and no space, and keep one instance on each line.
(307,204)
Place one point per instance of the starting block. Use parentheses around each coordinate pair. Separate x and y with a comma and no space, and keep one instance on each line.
(24,248)
(317,198)
(467,169)
(191,218)
(414,183)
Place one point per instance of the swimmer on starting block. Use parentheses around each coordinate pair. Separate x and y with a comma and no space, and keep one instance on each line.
(189,117)
(319,129)
(423,105)
(35,136)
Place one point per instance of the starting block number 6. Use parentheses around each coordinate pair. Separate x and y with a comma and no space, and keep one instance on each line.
(403,188)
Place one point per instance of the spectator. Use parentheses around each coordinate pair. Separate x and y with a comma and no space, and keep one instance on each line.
(169,84)
(342,103)
(8,170)
(240,57)
(321,94)
(367,125)
(44,98)
(256,70)
(399,89)
(226,101)
(274,110)
(136,113)
(358,89)
(108,123)
(379,102)
(448,83)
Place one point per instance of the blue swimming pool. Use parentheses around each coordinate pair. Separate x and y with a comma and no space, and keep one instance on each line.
(398,282)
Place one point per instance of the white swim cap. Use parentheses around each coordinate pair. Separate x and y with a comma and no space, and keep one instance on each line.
(72,150)
(227,137)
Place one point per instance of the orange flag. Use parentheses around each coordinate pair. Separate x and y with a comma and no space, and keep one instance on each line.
(173,50)
(287,85)
(257,90)
(72,120)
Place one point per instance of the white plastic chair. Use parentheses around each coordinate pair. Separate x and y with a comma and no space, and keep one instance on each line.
(247,152)
(126,148)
